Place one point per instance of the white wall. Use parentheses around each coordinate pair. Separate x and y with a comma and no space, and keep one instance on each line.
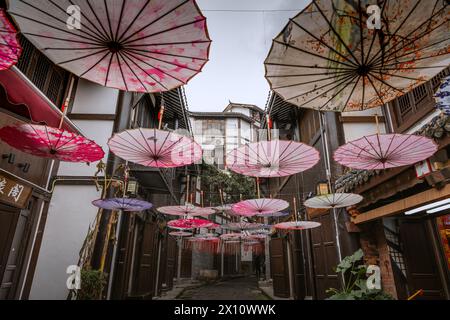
(93,98)
(355,131)
(69,217)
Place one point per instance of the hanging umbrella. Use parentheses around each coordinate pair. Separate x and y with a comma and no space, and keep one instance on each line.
(224,208)
(327,58)
(275,158)
(442,96)
(10,48)
(155,148)
(333,200)
(257,236)
(382,151)
(242,226)
(49,142)
(185,210)
(259,206)
(274,214)
(180,234)
(260,231)
(189,223)
(231,236)
(139,45)
(297,225)
(124,204)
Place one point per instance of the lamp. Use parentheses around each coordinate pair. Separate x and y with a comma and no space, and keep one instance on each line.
(322,188)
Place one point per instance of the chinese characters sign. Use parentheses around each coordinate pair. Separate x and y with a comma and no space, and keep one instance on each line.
(13,192)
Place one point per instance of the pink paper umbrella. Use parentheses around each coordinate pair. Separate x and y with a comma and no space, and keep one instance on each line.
(185,210)
(382,151)
(275,158)
(242,226)
(259,206)
(10,48)
(333,200)
(297,225)
(49,142)
(155,148)
(189,223)
(124,204)
(139,45)
(180,234)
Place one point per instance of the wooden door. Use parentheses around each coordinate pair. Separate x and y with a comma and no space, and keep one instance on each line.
(421,267)
(324,255)
(279,267)
(172,250)
(298,263)
(9,218)
(186,263)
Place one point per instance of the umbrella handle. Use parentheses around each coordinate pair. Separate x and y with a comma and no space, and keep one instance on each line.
(65,106)
(377,123)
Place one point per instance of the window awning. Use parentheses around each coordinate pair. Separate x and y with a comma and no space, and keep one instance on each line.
(20,96)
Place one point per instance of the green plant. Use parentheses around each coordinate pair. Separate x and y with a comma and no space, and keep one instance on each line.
(354,272)
(92,284)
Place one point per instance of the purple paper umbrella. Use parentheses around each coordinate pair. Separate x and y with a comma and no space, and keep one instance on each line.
(124,204)
(253,207)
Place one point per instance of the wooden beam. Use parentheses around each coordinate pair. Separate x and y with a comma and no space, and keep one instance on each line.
(92,116)
(360,119)
(405,204)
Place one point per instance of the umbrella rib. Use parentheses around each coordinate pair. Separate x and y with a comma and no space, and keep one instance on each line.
(156,68)
(128,148)
(166,54)
(83,57)
(376,91)
(376,58)
(59,39)
(395,32)
(353,90)
(119,39)
(308,82)
(121,71)
(98,20)
(387,84)
(307,74)
(337,93)
(364,150)
(116,36)
(167,43)
(414,60)
(323,42)
(138,142)
(150,150)
(157,59)
(56,28)
(99,32)
(361,33)
(143,70)
(132,71)
(305,66)
(91,36)
(321,87)
(108,19)
(334,31)
(42,139)
(97,63)
(109,68)
(312,54)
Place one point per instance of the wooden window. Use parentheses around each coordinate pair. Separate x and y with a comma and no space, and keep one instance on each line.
(49,78)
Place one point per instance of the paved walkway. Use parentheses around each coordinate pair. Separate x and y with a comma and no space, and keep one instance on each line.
(245,288)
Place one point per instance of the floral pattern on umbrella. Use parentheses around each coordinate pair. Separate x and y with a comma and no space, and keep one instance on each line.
(139,45)
(155,148)
(189,223)
(49,142)
(10,49)
(327,58)
(297,225)
(383,151)
(275,158)
(253,207)
(442,96)
(333,200)
(124,204)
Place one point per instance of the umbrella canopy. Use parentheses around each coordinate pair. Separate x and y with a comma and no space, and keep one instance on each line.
(124,204)
(224,208)
(231,236)
(10,48)
(155,148)
(49,142)
(333,200)
(236,226)
(189,223)
(139,45)
(180,233)
(442,96)
(274,214)
(328,58)
(185,210)
(297,225)
(275,158)
(382,151)
(259,206)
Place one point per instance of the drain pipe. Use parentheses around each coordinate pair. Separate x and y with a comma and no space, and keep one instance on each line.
(114,256)
(326,150)
(157,268)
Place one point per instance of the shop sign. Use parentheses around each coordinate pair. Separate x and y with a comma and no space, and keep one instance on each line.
(423,168)
(13,192)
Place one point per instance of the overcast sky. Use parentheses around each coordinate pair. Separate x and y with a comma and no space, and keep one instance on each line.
(241,33)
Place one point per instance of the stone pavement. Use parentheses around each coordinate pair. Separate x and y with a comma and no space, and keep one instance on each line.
(243,288)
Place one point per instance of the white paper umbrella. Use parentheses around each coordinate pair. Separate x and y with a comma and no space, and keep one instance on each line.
(333,200)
